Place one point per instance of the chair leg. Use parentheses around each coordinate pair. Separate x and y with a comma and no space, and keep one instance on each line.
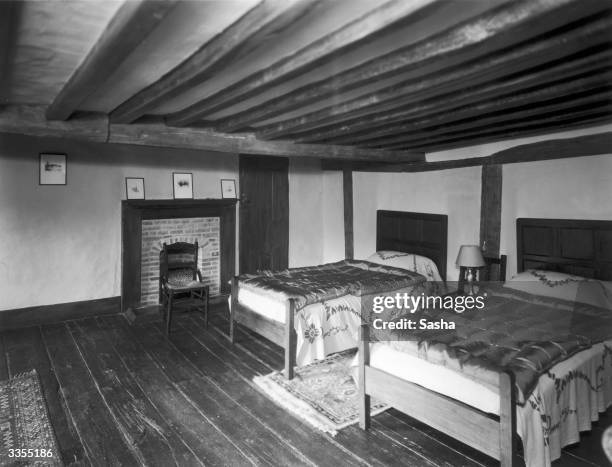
(169,314)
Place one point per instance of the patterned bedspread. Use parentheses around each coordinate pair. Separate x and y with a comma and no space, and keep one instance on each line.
(515,331)
(314,284)
(329,300)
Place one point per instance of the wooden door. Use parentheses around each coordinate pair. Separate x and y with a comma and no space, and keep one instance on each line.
(264,213)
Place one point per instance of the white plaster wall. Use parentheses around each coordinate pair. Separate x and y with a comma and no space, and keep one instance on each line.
(63,243)
(305,212)
(454,192)
(575,188)
(333,217)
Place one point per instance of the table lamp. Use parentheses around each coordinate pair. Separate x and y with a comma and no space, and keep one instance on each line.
(470,257)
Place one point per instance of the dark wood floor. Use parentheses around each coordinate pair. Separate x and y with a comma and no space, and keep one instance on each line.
(125,395)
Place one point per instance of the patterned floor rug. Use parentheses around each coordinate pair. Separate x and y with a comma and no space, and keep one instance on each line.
(324,393)
(26,435)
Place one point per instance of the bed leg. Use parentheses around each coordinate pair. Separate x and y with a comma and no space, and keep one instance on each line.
(233,307)
(290,339)
(507,420)
(364,359)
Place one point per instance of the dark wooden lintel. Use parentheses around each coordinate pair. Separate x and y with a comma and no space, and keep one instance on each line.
(347,190)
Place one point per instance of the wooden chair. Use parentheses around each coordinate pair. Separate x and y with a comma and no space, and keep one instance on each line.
(179,278)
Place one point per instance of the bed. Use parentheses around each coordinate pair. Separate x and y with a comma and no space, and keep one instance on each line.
(479,403)
(281,312)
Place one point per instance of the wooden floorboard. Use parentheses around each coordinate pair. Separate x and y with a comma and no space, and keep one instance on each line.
(146,429)
(25,351)
(126,395)
(250,435)
(3,364)
(315,447)
(198,427)
(102,441)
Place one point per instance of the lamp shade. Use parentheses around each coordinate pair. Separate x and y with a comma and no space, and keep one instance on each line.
(470,256)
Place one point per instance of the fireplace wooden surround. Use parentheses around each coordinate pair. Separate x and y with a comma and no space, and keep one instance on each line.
(133,212)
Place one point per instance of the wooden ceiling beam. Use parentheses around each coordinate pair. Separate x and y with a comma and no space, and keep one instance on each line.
(326,48)
(31,121)
(475,72)
(212,56)
(515,107)
(132,23)
(387,123)
(561,148)
(198,138)
(485,137)
(10,14)
(560,106)
(544,119)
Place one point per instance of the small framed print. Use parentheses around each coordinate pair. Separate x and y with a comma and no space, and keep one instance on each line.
(182,185)
(228,188)
(134,188)
(52,170)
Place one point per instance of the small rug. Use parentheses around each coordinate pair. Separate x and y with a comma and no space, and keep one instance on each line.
(26,435)
(322,393)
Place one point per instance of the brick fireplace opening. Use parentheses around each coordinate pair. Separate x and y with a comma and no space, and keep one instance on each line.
(146,225)
(156,232)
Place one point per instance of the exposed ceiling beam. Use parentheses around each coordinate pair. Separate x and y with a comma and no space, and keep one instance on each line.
(325,48)
(485,137)
(199,138)
(10,14)
(544,120)
(475,120)
(581,146)
(132,23)
(212,56)
(385,123)
(30,120)
(476,72)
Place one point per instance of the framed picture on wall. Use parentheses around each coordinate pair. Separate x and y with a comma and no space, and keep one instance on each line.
(134,188)
(52,169)
(182,185)
(228,188)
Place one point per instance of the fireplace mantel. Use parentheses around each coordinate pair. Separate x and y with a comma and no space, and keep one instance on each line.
(133,212)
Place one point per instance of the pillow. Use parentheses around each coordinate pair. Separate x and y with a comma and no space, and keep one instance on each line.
(563,286)
(419,264)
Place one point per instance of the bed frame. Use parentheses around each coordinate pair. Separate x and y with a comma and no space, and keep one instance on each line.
(573,246)
(410,232)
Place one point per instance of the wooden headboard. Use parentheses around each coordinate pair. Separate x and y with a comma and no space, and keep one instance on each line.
(582,247)
(414,232)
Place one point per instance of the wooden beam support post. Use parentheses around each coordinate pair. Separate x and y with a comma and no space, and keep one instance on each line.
(347,189)
(490,208)
(132,23)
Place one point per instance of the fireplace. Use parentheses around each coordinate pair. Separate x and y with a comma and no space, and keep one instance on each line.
(156,232)
(146,225)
